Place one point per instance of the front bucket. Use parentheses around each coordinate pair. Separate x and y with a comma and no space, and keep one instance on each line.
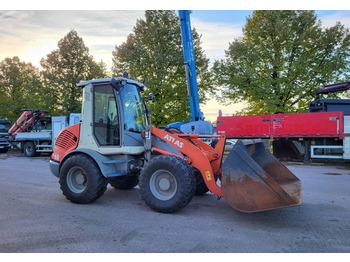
(254,180)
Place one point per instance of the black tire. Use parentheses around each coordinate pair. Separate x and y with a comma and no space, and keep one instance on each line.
(124,182)
(166,185)
(4,150)
(214,143)
(201,187)
(29,149)
(81,180)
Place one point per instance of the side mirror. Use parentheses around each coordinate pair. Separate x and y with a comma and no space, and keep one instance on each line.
(150,97)
(117,84)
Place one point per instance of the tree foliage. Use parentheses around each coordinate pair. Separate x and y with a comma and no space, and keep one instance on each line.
(23,86)
(281,59)
(20,87)
(154,52)
(63,68)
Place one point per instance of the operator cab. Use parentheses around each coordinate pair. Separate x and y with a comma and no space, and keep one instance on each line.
(116,112)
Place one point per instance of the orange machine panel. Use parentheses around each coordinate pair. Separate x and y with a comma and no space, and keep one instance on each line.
(66,141)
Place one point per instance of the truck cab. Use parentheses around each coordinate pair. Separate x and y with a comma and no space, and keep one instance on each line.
(4,127)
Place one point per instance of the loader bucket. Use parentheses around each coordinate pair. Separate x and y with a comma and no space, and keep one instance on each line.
(254,180)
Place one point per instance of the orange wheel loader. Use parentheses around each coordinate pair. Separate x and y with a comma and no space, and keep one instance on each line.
(115,143)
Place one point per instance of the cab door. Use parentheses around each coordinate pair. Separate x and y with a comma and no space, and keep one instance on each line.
(105,116)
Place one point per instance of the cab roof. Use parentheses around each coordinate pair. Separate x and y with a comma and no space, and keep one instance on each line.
(108,80)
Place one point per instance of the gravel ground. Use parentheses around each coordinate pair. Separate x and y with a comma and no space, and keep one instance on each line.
(36,218)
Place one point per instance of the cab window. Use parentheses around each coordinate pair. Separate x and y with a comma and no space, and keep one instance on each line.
(133,109)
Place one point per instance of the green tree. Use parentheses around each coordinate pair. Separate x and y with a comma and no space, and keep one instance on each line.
(281,59)
(64,68)
(20,88)
(154,52)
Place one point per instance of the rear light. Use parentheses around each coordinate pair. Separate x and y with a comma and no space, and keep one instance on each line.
(143,134)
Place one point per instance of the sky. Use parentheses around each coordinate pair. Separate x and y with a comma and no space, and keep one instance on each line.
(31,31)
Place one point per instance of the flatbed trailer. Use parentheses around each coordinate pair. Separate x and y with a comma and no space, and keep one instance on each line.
(314,135)
(324,132)
(326,124)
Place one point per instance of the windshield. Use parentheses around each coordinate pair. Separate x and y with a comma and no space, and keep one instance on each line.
(135,118)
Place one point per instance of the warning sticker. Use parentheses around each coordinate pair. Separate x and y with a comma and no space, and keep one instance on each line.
(207,175)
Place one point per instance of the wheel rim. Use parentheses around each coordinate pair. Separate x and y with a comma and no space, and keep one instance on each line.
(163,185)
(76,180)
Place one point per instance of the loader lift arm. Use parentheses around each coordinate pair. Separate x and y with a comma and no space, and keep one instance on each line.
(200,155)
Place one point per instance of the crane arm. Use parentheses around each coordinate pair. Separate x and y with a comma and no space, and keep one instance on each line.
(190,67)
(333,88)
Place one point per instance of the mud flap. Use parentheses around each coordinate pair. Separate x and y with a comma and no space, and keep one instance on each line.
(254,180)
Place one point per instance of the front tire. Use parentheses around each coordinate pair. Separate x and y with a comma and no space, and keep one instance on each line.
(166,184)
(81,180)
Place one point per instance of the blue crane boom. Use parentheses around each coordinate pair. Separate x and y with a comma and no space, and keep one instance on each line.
(197,123)
(190,66)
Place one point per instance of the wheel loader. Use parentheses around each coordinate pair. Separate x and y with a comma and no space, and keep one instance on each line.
(115,143)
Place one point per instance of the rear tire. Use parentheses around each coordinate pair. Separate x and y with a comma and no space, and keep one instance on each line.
(81,180)
(29,149)
(124,182)
(4,150)
(166,184)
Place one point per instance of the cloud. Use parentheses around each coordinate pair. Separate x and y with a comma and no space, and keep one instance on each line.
(215,40)
(32,35)
(216,37)
(342,16)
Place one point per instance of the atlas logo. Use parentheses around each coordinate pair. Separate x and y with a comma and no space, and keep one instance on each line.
(174,141)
